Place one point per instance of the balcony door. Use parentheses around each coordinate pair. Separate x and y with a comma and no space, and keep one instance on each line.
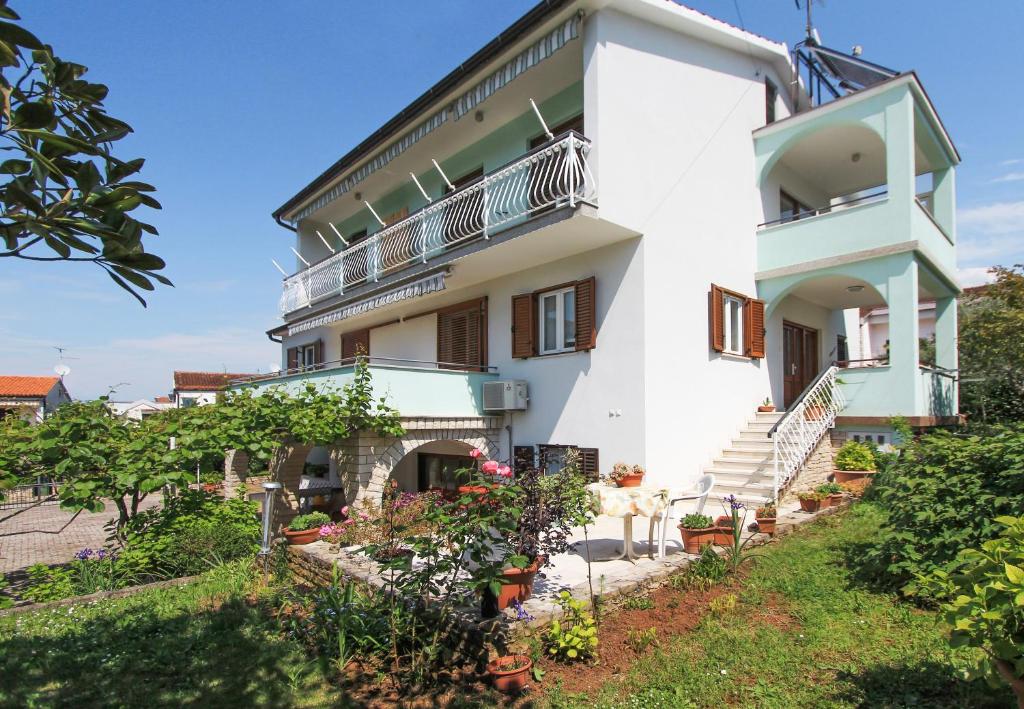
(799,360)
(462,336)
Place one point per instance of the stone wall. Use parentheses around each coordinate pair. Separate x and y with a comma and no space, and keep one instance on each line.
(816,470)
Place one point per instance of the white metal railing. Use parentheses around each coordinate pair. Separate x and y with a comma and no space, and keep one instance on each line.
(554,174)
(811,416)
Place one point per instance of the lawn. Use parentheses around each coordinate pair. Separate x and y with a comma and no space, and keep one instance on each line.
(802,633)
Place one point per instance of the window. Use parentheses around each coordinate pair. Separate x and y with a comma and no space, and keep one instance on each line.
(554,320)
(187,402)
(842,349)
(557,321)
(437,472)
(354,343)
(771,94)
(357,237)
(462,335)
(736,323)
(552,458)
(790,208)
(307,356)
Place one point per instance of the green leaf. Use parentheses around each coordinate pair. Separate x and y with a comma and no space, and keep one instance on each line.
(1014,573)
(14,34)
(15,166)
(32,115)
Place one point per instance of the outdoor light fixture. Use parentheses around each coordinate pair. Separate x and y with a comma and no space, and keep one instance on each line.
(855,157)
(269,488)
(359,196)
(855,289)
(479,116)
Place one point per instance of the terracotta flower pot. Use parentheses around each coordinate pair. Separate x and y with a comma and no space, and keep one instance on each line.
(765,409)
(845,476)
(835,499)
(810,505)
(723,530)
(517,584)
(212,487)
(632,480)
(510,681)
(306,536)
(766,524)
(814,412)
(694,540)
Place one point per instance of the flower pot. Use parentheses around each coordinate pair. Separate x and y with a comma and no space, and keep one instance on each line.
(517,584)
(694,540)
(845,476)
(723,531)
(765,409)
(305,536)
(510,681)
(814,412)
(212,487)
(766,525)
(633,480)
(810,505)
(404,557)
(835,499)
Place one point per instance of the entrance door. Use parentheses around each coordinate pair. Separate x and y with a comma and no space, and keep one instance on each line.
(799,360)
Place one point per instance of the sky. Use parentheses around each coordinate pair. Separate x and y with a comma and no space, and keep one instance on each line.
(237,105)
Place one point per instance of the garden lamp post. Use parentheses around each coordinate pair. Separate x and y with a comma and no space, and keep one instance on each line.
(269,489)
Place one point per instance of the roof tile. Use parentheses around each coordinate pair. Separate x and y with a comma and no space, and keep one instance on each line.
(27,386)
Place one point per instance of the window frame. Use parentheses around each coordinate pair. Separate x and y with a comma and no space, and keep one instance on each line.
(800,211)
(727,324)
(559,294)
(771,97)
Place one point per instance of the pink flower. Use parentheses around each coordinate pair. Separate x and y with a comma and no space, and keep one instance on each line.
(327,530)
(344,510)
(504,471)
(490,466)
(364,516)
(475,453)
(350,520)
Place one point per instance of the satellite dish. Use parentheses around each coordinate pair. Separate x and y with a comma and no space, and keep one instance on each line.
(62,370)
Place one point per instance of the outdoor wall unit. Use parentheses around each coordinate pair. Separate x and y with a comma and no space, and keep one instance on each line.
(505,395)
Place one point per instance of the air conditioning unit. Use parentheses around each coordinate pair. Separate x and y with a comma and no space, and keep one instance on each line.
(505,395)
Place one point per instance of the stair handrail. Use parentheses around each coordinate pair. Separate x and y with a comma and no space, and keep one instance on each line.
(797,432)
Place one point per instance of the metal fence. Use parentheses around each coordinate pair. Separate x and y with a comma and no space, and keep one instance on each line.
(43,491)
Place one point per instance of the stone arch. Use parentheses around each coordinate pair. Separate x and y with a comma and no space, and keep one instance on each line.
(286,468)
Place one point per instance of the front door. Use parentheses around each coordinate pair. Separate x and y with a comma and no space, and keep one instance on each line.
(799,360)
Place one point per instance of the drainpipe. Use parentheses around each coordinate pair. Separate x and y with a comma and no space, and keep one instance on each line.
(286,225)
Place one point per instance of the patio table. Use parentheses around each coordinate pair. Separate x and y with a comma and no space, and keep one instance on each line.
(628,502)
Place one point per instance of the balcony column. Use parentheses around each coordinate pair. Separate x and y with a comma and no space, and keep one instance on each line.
(944,200)
(946,354)
(904,348)
(899,153)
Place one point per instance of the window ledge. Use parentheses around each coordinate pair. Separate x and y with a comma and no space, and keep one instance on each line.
(735,357)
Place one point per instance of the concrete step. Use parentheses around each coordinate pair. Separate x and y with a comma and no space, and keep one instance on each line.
(759,426)
(753,455)
(763,445)
(739,475)
(764,416)
(741,464)
(734,479)
(755,435)
(759,490)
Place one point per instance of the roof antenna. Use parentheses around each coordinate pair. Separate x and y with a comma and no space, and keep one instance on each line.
(813,38)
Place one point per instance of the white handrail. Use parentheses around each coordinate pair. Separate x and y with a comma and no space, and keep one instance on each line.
(802,426)
(554,175)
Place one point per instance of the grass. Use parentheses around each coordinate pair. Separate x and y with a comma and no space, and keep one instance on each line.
(200,644)
(802,632)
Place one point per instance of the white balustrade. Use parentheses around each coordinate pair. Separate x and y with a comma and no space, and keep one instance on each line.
(550,176)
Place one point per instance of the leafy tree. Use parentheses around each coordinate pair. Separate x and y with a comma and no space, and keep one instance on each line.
(991,364)
(67,196)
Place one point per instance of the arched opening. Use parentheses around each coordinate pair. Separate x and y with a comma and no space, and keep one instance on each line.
(432,466)
(833,168)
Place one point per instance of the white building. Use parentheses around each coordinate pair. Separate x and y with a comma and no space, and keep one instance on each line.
(33,398)
(692,229)
(199,388)
(140,408)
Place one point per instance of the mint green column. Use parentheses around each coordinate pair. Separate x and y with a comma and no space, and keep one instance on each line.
(904,349)
(899,155)
(946,354)
(944,200)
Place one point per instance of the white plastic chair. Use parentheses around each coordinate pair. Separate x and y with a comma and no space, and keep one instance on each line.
(700,494)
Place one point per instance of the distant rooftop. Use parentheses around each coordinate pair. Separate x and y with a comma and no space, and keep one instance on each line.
(27,387)
(205,381)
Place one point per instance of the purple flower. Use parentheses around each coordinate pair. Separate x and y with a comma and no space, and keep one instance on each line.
(733,503)
(521,613)
(84,554)
(101,554)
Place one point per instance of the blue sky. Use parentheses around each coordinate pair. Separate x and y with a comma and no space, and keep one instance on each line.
(236,106)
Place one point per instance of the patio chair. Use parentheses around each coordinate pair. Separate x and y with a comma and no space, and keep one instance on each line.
(700,494)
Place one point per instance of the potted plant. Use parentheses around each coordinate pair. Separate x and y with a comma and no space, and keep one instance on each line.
(212,482)
(765,517)
(724,530)
(698,532)
(833,493)
(854,461)
(625,475)
(767,407)
(510,673)
(305,529)
(811,501)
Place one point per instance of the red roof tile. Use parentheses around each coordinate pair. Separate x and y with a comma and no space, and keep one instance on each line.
(162,400)
(27,386)
(204,381)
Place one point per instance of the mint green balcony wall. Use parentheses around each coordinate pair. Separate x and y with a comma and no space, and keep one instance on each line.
(504,144)
(412,391)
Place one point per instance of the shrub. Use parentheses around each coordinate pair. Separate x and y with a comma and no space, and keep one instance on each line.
(696,521)
(811,495)
(191,532)
(638,603)
(308,521)
(574,636)
(986,610)
(49,583)
(942,495)
(829,489)
(855,456)
(640,640)
(705,572)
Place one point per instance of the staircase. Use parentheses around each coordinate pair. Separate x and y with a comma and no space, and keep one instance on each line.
(746,468)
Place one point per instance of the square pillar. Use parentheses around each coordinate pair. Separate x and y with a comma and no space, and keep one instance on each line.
(946,352)
(899,152)
(944,200)
(904,348)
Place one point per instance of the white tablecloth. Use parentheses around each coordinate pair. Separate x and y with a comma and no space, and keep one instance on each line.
(624,501)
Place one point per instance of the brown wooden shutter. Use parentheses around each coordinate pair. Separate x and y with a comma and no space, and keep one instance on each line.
(292,358)
(318,353)
(589,464)
(352,343)
(586,314)
(460,336)
(524,329)
(716,319)
(753,335)
(396,216)
(522,459)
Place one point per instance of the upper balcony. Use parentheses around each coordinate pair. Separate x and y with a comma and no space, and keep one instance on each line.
(867,175)
(553,175)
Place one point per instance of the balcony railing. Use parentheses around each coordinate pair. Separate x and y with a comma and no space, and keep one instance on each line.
(553,175)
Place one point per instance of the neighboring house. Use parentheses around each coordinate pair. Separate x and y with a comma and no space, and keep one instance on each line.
(140,408)
(696,233)
(198,388)
(874,329)
(33,398)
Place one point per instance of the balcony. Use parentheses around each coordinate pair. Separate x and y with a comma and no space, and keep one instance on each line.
(553,175)
(414,388)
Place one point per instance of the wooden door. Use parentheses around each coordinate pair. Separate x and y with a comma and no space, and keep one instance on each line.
(799,360)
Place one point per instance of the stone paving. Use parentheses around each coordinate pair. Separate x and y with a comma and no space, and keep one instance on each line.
(32,537)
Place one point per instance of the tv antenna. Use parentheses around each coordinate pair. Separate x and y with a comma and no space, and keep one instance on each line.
(807,4)
(60,353)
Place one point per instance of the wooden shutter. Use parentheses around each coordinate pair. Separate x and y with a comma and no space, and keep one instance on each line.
(524,328)
(460,336)
(589,464)
(318,353)
(522,459)
(753,328)
(716,319)
(586,315)
(396,216)
(292,358)
(352,343)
